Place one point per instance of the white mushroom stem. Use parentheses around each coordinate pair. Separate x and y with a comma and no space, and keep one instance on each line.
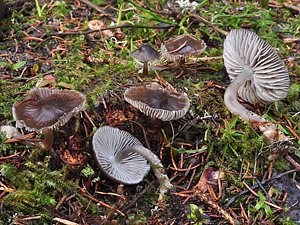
(153,160)
(269,130)
(231,101)
(12,132)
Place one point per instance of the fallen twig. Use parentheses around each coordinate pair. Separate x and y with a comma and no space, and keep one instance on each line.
(100,202)
(107,28)
(206,199)
(201,19)
(67,222)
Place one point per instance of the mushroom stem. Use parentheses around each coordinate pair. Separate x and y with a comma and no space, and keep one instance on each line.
(47,142)
(156,122)
(178,64)
(154,162)
(270,131)
(231,101)
(145,69)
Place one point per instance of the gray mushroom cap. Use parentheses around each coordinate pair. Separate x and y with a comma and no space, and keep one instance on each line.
(270,81)
(45,108)
(187,45)
(157,102)
(146,53)
(109,142)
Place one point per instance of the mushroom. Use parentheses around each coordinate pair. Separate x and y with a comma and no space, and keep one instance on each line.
(158,103)
(98,24)
(147,54)
(181,47)
(257,72)
(45,109)
(123,158)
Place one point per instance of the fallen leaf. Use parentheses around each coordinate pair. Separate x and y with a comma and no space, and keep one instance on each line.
(210,174)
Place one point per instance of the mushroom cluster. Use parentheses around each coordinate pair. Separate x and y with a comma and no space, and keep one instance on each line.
(177,49)
(255,69)
(256,72)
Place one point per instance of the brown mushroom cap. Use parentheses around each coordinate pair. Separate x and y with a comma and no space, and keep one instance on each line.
(157,102)
(146,53)
(45,108)
(270,82)
(187,45)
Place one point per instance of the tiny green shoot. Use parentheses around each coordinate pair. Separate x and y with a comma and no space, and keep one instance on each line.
(13,67)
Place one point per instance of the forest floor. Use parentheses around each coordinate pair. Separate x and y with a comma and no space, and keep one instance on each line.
(223,170)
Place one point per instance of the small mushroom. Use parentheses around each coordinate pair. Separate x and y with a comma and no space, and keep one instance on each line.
(158,103)
(123,158)
(181,47)
(256,72)
(98,24)
(147,54)
(45,109)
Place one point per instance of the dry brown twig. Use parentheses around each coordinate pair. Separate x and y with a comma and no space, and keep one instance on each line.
(206,199)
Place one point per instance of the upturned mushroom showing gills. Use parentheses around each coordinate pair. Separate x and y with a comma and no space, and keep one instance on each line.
(257,72)
(181,47)
(123,158)
(45,109)
(158,103)
(147,54)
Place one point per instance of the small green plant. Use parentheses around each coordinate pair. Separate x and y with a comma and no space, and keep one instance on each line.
(98,2)
(62,8)
(39,9)
(229,137)
(88,171)
(13,67)
(261,205)
(196,215)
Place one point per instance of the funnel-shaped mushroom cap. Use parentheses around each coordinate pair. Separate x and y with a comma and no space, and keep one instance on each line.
(182,47)
(270,81)
(146,53)
(108,142)
(157,102)
(45,108)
